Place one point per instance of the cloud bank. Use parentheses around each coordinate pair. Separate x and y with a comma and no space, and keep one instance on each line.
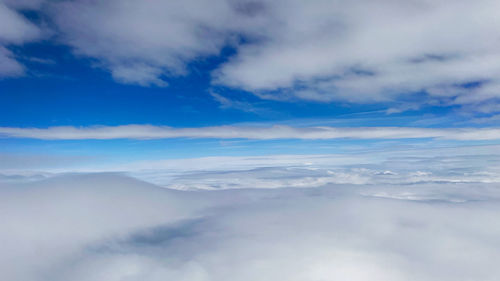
(238,132)
(373,51)
(105,226)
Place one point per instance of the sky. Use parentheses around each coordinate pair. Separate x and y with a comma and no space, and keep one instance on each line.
(187,79)
(249,140)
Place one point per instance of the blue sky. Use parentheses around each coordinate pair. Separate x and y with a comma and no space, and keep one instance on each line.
(246,65)
(243,140)
(70,91)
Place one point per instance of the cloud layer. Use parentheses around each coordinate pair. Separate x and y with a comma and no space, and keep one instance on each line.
(238,132)
(103,226)
(389,168)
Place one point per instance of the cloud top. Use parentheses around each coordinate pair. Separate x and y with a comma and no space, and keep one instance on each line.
(103,226)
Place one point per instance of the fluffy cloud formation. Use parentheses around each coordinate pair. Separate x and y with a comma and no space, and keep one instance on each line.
(15,29)
(141,42)
(238,132)
(373,51)
(411,52)
(102,226)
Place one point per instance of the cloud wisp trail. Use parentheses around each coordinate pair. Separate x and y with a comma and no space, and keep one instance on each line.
(240,132)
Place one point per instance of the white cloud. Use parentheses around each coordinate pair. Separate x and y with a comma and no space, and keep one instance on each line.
(140,42)
(59,217)
(9,66)
(259,133)
(410,53)
(372,51)
(24,4)
(14,30)
(361,52)
(387,168)
(143,75)
(228,103)
(108,227)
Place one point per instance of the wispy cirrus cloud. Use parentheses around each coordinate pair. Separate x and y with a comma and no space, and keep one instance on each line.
(228,103)
(240,132)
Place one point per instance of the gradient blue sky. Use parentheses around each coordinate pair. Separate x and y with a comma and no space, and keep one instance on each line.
(245,64)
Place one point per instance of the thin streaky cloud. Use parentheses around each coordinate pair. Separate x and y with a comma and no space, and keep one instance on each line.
(238,132)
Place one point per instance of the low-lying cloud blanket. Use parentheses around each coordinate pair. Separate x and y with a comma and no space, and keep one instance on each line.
(111,227)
